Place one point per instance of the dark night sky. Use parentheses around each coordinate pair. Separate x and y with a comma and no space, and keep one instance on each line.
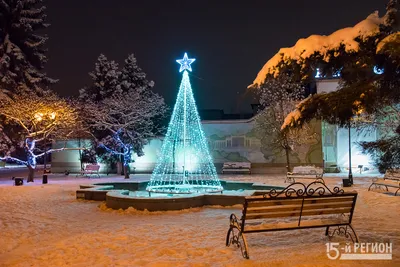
(231,40)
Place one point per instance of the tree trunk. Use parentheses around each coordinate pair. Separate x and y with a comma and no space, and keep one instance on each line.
(126,171)
(30,158)
(31,173)
(80,154)
(127,159)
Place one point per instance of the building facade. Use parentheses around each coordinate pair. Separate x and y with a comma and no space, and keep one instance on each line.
(238,140)
(335,140)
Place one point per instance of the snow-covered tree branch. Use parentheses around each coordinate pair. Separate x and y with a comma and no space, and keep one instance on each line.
(22,51)
(279,96)
(125,112)
(32,119)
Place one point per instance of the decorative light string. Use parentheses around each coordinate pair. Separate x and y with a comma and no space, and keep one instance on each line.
(185,164)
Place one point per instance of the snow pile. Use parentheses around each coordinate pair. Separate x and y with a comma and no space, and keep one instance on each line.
(44,225)
(304,48)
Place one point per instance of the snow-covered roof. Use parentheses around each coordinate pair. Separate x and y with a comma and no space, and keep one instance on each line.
(304,48)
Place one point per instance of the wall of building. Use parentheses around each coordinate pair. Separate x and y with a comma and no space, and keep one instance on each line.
(68,160)
(336,146)
(237,140)
(327,85)
(234,140)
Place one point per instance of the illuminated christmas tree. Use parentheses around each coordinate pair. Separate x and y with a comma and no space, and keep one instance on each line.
(185,164)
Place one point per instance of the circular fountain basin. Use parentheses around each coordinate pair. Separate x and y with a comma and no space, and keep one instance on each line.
(123,195)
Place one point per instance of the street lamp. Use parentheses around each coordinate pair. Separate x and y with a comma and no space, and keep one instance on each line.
(40,116)
(358,113)
(350,173)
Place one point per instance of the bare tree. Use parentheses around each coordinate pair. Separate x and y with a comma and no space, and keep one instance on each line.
(130,118)
(32,120)
(279,96)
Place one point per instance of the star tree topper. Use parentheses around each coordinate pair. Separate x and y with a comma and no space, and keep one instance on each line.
(185,63)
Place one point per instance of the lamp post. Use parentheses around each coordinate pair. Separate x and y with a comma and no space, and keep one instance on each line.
(350,173)
(39,117)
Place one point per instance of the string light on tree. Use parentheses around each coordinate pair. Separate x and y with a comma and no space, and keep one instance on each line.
(185,164)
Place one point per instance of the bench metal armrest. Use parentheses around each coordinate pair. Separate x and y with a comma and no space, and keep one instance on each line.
(234,220)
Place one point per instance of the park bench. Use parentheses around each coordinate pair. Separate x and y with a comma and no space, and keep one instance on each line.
(305,172)
(237,167)
(296,207)
(90,169)
(390,179)
(393,174)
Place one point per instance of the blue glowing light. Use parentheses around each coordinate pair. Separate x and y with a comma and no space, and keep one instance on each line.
(185,63)
(318,74)
(378,71)
(337,73)
(184,164)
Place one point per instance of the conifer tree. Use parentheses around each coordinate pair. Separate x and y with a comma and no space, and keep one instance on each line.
(105,80)
(133,77)
(121,110)
(22,47)
(369,84)
(368,77)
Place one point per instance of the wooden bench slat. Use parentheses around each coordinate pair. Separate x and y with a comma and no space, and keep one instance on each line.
(299,175)
(310,206)
(329,205)
(274,202)
(282,214)
(282,197)
(292,225)
(326,211)
(328,200)
(263,202)
(387,184)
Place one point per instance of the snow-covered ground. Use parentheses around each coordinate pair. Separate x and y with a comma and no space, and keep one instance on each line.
(44,225)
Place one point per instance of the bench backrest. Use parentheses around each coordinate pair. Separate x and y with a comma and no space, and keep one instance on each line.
(393,174)
(92,167)
(237,165)
(307,170)
(258,208)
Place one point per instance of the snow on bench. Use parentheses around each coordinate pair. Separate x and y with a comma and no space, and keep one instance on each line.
(393,174)
(90,169)
(390,179)
(244,167)
(305,172)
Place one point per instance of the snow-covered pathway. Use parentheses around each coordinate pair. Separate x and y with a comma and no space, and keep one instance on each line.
(44,225)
